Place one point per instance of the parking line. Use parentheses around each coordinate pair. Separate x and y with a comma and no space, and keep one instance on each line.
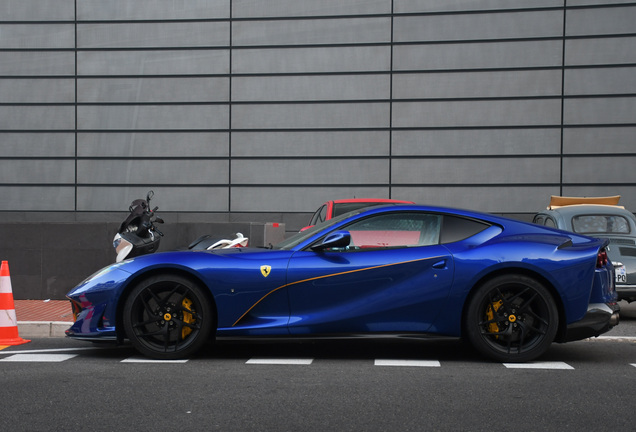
(49,358)
(407,363)
(149,360)
(273,361)
(49,350)
(539,365)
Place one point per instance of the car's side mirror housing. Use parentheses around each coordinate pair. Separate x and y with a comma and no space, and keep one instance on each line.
(338,239)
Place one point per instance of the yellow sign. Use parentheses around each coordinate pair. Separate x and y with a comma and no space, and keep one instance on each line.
(265,270)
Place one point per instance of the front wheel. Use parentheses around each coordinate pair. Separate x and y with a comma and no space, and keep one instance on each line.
(511,318)
(168,317)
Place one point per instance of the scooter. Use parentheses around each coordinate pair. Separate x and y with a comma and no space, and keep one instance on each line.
(138,234)
(208,242)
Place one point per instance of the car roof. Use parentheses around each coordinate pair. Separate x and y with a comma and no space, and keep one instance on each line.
(371,200)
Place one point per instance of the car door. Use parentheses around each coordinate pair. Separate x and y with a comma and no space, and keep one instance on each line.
(392,277)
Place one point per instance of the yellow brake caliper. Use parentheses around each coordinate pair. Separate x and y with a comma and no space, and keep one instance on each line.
(490,315)
(187,317)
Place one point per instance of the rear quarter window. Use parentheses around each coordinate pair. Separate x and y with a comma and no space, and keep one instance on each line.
(600,224)
(456,228)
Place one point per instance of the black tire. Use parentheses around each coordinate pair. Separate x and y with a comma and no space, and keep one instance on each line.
(168,317)
(511,318)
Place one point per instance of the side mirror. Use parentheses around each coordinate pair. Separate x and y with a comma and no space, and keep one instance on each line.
(338,239)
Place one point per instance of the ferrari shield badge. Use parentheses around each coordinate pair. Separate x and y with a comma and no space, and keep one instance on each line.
(265,270)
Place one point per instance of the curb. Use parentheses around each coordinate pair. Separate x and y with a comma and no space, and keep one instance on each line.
(42,329)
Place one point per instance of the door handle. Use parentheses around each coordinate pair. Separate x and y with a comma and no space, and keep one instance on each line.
(440,264)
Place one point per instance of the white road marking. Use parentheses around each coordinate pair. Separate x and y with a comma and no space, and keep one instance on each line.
(149,360)
(633,364)
(539,365)
(51,358)
(48,350)
(416,363)
(273,361)
(614,338)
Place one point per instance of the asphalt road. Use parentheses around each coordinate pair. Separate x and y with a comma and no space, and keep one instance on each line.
(67,385)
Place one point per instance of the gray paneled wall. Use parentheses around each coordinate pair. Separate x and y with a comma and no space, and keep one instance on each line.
(263,109)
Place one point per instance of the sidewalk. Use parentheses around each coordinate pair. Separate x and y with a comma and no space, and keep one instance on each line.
(43,318)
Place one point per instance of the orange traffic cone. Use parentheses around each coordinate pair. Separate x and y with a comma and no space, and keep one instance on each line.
(8,321)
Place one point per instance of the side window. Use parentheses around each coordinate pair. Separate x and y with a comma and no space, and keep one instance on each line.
(319,216)
(458,228)
(395,230)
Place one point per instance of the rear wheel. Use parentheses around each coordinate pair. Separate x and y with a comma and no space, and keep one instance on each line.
(168,317)
(512,318)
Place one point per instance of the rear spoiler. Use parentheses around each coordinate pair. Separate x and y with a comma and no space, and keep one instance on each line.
(561,201)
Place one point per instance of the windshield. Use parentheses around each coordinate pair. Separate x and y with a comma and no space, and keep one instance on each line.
(300,237)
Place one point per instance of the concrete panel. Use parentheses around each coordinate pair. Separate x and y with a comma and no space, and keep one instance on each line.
(144,117)
(189,62)
(26,144)
(168,198)
(37,198)
(50,171)
(172,90)
(37,10)
(475,171)
(311,116)
(296,8)
(92,10)
(313,171)
(459,142)
(36,63)
(618,110)
(37,117)
(603,51)
(413,6)
(316,143)
(317,59)
(32,36)
(297,199)
(617,169)
(153,144)
(465,27)
(477,84)
(491,55)
(596,2)
(166,172)
(477,113)
(153,35)
(600,81)
(312,87)
(500,199)
(603,140)
(601,21)
(37,90)
(312,31)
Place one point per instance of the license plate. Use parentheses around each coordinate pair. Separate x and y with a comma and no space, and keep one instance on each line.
(621,274)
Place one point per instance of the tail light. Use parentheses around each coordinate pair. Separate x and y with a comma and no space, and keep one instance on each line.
(601,258)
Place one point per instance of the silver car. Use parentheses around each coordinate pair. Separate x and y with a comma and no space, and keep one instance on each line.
(601,218)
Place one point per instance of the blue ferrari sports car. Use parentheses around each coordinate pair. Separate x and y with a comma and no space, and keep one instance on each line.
(509,288)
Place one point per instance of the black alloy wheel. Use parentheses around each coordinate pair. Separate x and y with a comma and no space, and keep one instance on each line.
(168,317)
(512,318)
